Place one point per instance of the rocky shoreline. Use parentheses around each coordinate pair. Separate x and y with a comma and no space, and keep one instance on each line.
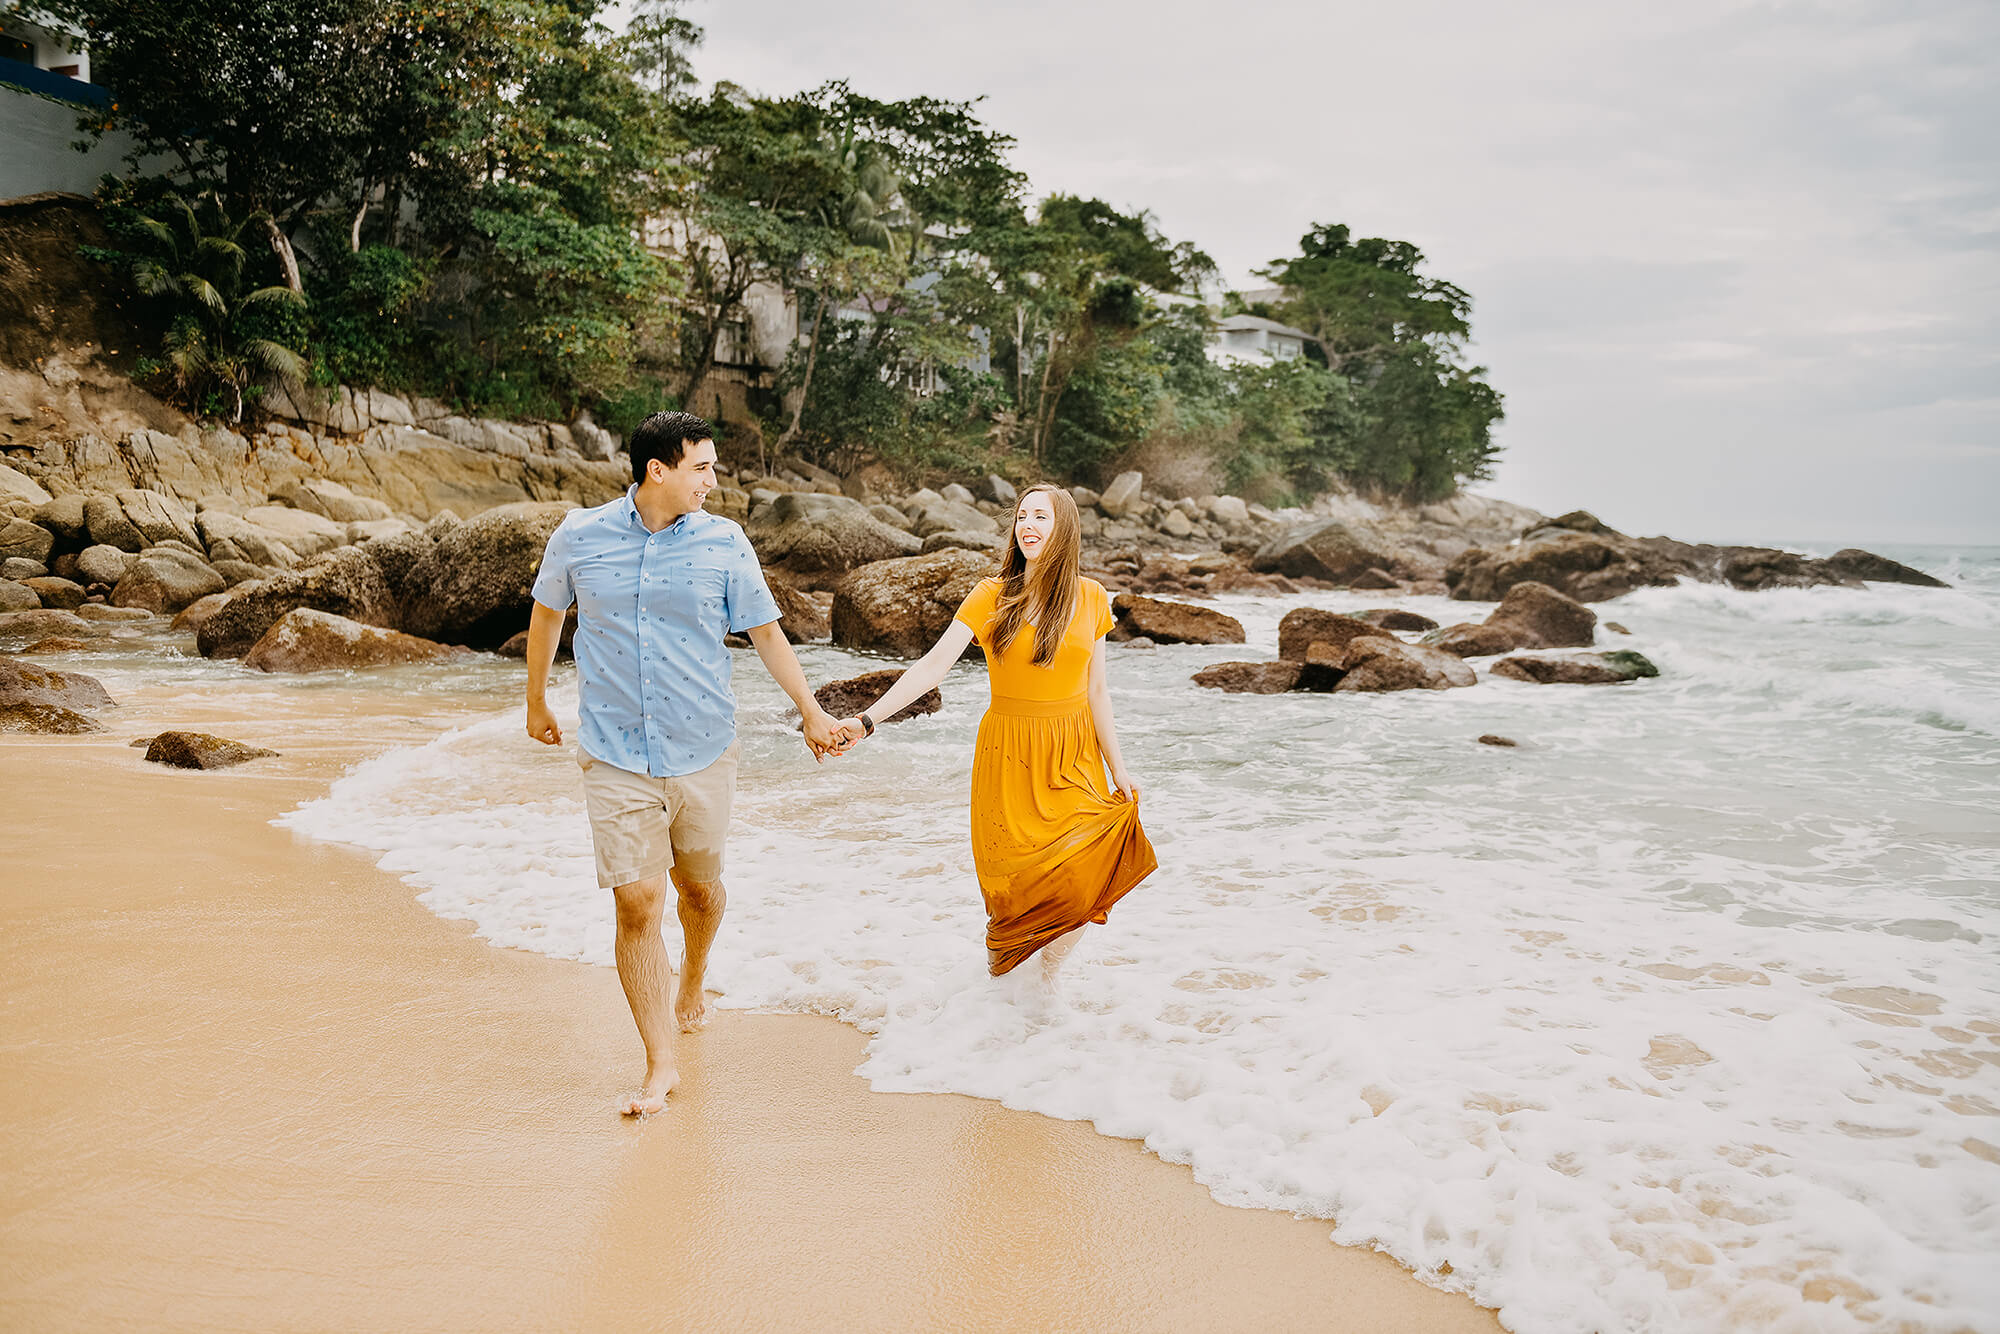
(372,529)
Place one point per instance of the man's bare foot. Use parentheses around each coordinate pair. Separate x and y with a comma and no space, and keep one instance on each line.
(690,1001)
(652,1096)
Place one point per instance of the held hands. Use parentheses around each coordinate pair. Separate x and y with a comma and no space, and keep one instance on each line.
(823,735)
(851,731)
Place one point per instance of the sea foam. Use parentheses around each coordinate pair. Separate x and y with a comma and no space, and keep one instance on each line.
(1682,1016)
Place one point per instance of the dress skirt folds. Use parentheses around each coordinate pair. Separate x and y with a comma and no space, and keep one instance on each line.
(1054,847)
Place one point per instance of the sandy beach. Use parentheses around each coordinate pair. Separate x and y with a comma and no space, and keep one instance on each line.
(252,1084)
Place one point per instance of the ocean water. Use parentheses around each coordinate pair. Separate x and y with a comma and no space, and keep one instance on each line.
(1684,1015)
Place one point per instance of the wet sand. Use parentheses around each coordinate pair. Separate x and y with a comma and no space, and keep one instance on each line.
(251,1084)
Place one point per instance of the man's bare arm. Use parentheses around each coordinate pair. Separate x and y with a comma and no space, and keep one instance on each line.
(545,626)
(822,732)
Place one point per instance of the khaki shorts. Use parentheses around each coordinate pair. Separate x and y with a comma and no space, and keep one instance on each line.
(643,825)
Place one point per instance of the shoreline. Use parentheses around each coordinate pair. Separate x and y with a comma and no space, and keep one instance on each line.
(260,1086)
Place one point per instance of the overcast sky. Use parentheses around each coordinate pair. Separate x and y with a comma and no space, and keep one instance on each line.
(1733,265)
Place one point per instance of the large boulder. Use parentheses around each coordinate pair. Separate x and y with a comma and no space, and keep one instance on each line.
(191,617)
(303,531)
(475,585)
(23,539)
(819,537)
(1591,669)
(901,606)
(36,699)
(201,750)
(1590,567)
(1303,627)
(1854,563)
(946,515)
(1537,616)
(103,564)
(346,583)
(17,596)
(846,699)
(1378,662)
(19,487)
(165,579)
(330,500)
(997,489)
(134,519)
(398,555)
(1174,622)
(304,640)
(107,525)
(1250,678)
(798,615)
(32,623)
(229,537)
(1122,498)
(1396,618)
(987,541)
(1466,640)
(64,517)
(1331,549)
(55,592)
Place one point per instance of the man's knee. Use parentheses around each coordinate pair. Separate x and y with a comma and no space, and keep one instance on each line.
(640,903)
(702,896)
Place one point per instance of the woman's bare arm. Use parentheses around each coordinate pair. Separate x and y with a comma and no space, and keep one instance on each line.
(919,677)
(1107,726)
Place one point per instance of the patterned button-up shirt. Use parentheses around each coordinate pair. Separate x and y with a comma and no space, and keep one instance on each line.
(652,608)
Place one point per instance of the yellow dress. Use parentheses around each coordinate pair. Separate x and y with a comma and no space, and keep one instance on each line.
(1053,846)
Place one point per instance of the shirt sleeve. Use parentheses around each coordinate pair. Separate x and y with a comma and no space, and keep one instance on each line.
(977,609)
(554,588)
(750,600)
(1101,604)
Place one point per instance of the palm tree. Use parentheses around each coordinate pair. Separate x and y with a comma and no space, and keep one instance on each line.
(196,267)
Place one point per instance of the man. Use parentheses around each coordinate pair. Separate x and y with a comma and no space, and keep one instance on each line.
(657,584)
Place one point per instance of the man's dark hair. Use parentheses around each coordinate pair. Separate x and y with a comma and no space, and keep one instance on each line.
(665,436)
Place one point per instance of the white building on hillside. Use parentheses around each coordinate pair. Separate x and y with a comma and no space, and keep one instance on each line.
(1240,338)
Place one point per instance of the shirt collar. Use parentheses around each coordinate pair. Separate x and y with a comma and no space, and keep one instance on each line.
(629,508)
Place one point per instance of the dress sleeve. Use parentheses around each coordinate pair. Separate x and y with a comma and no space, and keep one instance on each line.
(977,609)
(554,588)
(1102,604)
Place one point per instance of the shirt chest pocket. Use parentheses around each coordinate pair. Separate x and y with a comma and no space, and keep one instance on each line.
(704,590)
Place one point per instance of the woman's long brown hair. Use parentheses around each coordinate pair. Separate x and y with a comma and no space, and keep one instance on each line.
(1050,585)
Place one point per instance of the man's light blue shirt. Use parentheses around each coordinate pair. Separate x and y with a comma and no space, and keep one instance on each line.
(652,608)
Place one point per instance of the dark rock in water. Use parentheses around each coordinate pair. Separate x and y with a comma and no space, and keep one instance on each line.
(200,750)
(821,538)
(97,611)
(1854,563)
(1324,666)
(799,616)
(1329,549)
(1373,579)
(1537,616)
(1589,567)
(1250,678)
(40,699)
(56,644)
(1616,628)
(517,646)
(38,622)
(1593,669)
(345,582)
(902,606)
(1466,640)
(1138,642)
(1757,568)
(305,640)
(728,641)
(1377,662)
(1175,622)
(62,594)
(475,585)
(1396,618)
(1493,739)
(846,699)
(397,556)
(1303,627)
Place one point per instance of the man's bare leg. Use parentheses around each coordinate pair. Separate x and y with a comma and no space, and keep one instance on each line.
(645,974)
(700,908)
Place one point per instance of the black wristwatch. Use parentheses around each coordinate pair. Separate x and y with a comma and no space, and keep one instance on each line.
(867,725)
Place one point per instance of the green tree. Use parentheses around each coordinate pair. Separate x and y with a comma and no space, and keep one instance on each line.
(187,257)
(1413,419)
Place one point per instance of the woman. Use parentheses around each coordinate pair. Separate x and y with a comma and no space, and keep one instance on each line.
(1055,846)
